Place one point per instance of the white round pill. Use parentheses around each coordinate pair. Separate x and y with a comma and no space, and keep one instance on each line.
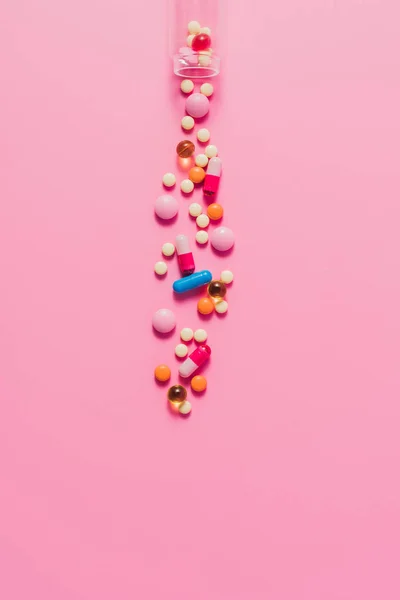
(195,210)
(226,276)
(203,135)
(169,179)
(187,123)
(187,186)
(202,237)
(187,86)
(211,151)
(202,221)
(185,408)
(206,30)
(221,307)
(187,334)
(200,335)
(181,350)
(207,89)
(168,249)
(160,267)
(201,160)
(189,40)
(194,27)
(204,60)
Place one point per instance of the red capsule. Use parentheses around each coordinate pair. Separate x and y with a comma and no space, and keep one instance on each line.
(201,41)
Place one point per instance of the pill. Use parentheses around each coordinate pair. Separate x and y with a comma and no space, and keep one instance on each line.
(185,408)
(160,268)
(202,221)
(202,237)
(195,360)
(197,105)
(187,186)
(196,280)
(206,30)
(201,160)
(207,89)
(222,238)
(203,135)
(195,210)
(187,334)
(187,86)
(189,39)
(185,148)
(164,320)
(177,393)
(200,335)
(187,123)
(166,207)
(184,254)
(168,249)
(221,307)
(162,373)
(197,174)
(204,60)
(198,383)
(205,306)
(211,181)
(215,212)
(169,180)
(201,41)
(211,151)
(227,276)
(194,27)
(181,350)
(216,289)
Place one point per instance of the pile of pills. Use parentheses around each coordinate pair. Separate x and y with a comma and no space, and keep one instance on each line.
(204,170)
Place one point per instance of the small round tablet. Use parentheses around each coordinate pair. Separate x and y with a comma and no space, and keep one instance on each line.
(181,350)
(202,237)
(189,40)
(169,179)
(201,160)
(227,276)
(203,135)
(168,249)
(187,334)
(185,408)
(205,30)
(160,267)
(195,210)
(187,186)
(194,27)
(211,151)
(187,123)
(202,221)
(207,89)
(200,335)
(221,307)
(187,86)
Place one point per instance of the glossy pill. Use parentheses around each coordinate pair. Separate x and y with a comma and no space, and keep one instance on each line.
(216,289)
(160,268)
(221,307)
(198,383)
(201,160)
(187,86)
(196,280)
(187,123)
(187,186)
(215,212)
(201,41)
(211,182)
(177,394)
(203,135)
(195,209)
(195,360)
(211,151)
(205,306)
(227,276)
(185,148)
(185,256)
(164,320)
(187,334)
(202,237)
(197,105)
(185,408)
(162,373)
(168,249)
(200,335)
(207,89)
(202,221)
(222,239)
(169,180)
(166,207)
(197,174)
(181,350)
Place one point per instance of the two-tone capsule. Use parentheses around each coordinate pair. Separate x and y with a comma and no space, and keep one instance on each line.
(185,256)
(211,181)
(186,284)
(197,358)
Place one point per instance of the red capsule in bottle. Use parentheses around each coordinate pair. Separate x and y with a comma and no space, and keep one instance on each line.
(201,41)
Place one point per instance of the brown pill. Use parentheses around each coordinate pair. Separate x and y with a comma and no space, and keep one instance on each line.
(177,394)
(185,149)
(217,289)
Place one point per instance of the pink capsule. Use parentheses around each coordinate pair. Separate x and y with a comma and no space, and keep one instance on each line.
(195,360)
(211,181)
(185,256)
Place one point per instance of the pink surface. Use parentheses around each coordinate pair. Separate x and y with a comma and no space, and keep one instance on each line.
(283,483)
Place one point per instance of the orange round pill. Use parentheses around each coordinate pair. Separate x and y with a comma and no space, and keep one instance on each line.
(199,383)
(197,174)
(162,373)
(215,212)
(205,306)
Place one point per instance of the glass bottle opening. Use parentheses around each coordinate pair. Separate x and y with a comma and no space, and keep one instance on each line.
(196,65)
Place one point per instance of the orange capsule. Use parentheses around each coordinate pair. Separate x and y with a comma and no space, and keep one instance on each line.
(215,212)
(205,306)
(162,373)
(197,174)
(199,383)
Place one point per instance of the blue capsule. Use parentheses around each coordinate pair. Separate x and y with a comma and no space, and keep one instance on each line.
(192,282)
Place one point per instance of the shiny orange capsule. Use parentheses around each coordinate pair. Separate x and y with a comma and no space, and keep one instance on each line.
(205,306)
(197,174)
(215,212)
(199,383)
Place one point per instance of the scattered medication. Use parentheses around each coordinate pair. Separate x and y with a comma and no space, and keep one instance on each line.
(217,289)
(197,174)
(187,186)
(198,383)
(211,151)
(200,335)
(203,135)
(187,334)
(181,350)
(185,408)
(195,360)
(187,86)
(162,373)
(211,181)
(160,268)
(201,160)
(215,212)
(185,256)
(202,237)
(204,60)
(197,106)
(227,276)
(166,207)
(201,41)
(221,307)
(169,180)
(164,320)
(177,393)
(187,123)
(207,89)
(185,148)
(168,249)
(195,210)
(222,239)
(194,27)
(196,280)
(202,221)
(205,306)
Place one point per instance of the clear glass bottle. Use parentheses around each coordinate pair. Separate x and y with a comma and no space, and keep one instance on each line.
(187,62)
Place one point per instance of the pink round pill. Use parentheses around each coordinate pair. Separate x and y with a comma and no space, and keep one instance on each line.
(164,320)
(166,207)
(197,105)
(222,239)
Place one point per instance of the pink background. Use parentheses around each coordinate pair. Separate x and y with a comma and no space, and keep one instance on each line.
(283,483)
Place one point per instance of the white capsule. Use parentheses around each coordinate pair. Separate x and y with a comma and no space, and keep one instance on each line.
(187,86)
(187,334)
(169,179)
(200,335)
(194,27)
(221,307)
(203,135)
(187,186)
(207,89)
(189,40)
(195,210)
(205,30)
(160,267)
(187,123)
(168,249)
(185,408)
(181,350)
(202,221)
(211,151)
(202,237)
(201,160)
